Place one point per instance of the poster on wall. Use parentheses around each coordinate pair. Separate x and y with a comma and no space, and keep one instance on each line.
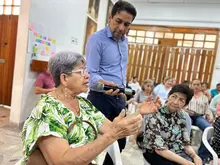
(93,9)
(40,44)
(109,10)
(90,29)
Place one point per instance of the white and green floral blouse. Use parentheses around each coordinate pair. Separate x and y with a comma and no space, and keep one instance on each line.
(51,117)
(165,130)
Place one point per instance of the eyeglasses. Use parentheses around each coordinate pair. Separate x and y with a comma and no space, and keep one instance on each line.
(82,71)
(180,101)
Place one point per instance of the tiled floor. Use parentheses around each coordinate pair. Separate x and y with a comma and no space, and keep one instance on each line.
(10,141)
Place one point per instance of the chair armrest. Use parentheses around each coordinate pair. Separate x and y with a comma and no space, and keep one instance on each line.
(205,138)
(114,152)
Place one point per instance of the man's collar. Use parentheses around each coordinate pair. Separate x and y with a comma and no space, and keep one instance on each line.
(109,34)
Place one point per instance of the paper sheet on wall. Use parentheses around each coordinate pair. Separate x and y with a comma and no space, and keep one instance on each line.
(40,44)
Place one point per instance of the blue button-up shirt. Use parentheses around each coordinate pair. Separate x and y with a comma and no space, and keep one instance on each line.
(106,58)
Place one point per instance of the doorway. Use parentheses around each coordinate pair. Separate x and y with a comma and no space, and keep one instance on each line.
(8,35)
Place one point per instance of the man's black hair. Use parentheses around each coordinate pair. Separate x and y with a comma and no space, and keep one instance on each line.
(123,6)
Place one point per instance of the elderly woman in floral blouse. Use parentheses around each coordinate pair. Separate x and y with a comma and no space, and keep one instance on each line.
(166,140)
(63,127)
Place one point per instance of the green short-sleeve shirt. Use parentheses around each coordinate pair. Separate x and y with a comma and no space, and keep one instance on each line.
(51,117)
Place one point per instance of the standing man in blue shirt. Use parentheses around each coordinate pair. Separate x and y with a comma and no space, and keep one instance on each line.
(107,58)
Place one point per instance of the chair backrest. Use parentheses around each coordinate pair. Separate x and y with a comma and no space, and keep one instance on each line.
(207,134)
(114,152)
(188,122)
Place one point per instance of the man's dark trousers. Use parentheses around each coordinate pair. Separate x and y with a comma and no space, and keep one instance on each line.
(111,107)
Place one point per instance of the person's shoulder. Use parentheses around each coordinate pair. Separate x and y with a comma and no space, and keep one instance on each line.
(42,75)
(42,106)
(213,90)
(99,34)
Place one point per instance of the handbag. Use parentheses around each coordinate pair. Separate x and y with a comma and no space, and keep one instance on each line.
(37,158)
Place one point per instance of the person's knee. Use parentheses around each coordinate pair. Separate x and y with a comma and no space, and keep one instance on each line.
(202,123)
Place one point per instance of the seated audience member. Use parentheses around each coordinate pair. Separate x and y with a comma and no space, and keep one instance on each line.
(216,91)
(145,92)
(216,135)
(44,83)
(154,80)
(200,114)
(213,104)
(205,90)
(186,82)
(63,127)
(173,82)
(166,140)
(163,89)
(134,84)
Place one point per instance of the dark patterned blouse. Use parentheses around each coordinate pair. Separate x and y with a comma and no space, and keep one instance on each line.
(165,130)
(216,136)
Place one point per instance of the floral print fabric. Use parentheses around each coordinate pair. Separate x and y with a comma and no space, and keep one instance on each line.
(51,117)
(165,130)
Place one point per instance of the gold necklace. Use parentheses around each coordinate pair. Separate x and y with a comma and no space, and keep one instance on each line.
(77,105)
(69,102)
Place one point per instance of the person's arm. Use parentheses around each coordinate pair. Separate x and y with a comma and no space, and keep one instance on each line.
(93,51)
(93,59)
(208,112)
(207,94)
(191,153)
(57,150)
(39,90)
(39,83)
(144,108)
(218,109)
(169,155)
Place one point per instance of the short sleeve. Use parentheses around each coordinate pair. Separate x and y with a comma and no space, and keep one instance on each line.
(43,121)
(152,136)
(39,81)
(185,124)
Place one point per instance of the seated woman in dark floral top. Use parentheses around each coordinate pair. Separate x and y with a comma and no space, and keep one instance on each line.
(166,136)
(216,134)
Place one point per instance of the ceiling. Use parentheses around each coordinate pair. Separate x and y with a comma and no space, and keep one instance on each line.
(177,1)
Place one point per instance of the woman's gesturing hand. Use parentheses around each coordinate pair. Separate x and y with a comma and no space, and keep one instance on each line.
(149,106)
(125,126)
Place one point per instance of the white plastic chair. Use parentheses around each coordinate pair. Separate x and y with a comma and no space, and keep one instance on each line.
(114,152)
(188,122)
(19,162)
(207,134)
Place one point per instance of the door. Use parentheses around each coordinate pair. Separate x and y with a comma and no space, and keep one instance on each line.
(8,35)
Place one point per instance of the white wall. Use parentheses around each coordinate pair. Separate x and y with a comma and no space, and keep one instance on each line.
(191,15)
(59,19)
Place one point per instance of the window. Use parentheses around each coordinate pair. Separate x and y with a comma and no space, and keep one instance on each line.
(185,37)
(10,7)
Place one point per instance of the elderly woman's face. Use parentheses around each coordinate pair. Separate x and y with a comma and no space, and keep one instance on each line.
(169,82)
(176,101)
(148,87)
(79,79)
